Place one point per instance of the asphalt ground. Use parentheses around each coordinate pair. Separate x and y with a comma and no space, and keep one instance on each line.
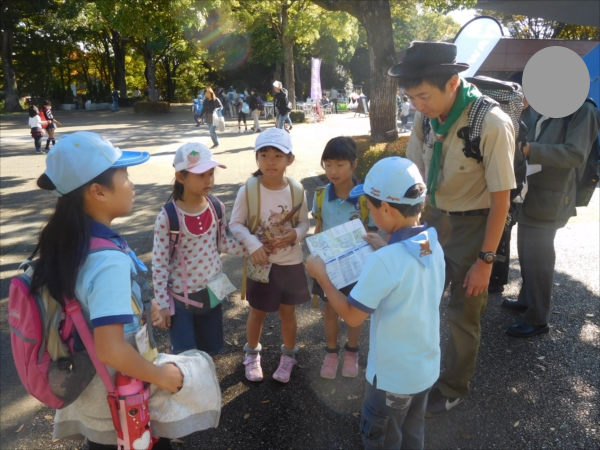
(534,393)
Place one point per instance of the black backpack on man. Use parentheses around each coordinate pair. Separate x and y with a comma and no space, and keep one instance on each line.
(507,96)
(587,175)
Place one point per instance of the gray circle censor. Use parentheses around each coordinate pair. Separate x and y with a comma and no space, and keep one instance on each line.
(556,82)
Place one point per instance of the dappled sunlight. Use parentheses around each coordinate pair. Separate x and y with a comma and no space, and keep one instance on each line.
(590,333)
(232,392)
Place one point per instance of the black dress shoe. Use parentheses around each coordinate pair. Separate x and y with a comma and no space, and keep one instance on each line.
(521,330)
(514,306)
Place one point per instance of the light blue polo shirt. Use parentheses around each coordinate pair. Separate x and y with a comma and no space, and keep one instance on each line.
(336,211)
(401,287)
(104,286)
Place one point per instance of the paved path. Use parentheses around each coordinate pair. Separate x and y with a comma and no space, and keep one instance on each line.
(539,393)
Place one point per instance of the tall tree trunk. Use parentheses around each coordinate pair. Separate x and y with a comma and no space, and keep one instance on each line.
(150,71)
(375,16)
(119,48)
(170,66)
(288,58)
(109,62)
(277,74)
(10,81)
(297,73)
(377,19)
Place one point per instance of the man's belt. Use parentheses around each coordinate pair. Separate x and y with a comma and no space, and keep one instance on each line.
(473,212)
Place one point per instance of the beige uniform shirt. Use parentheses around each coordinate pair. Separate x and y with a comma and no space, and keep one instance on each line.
(463,183)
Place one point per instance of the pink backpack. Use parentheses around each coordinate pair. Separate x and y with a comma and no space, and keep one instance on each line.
(42,340)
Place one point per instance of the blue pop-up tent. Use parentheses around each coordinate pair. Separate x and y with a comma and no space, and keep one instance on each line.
(592,61)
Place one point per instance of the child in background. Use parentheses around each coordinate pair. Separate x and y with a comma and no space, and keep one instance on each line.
(405,112)
(332,206)
(400,287)
(47,110)
(272,235)
(35,124)
(202,238)
(242,111)
(90,177)
(197,110)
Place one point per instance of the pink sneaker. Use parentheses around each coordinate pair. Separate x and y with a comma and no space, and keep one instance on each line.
(350,367)
(283,372)
(253,370)
(330,365)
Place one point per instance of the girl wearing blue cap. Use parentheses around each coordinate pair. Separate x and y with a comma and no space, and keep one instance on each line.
(90,177)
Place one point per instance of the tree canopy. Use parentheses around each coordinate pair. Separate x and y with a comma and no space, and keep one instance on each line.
(59,49)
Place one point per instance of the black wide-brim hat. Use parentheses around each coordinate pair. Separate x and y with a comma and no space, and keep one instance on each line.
(427,58)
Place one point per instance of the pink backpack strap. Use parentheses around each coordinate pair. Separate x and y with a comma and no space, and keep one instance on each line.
(175,233)
(73,309)
(97,243)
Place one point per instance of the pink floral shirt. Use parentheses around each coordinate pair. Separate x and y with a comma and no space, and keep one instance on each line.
(197,246)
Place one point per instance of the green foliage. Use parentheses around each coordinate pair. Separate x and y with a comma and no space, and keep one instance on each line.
(422,25)
(439,6)
(99,93)
(369,153)
(145,107)
(297,116)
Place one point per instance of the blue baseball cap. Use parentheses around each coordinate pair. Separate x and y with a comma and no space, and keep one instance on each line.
(78,158)
(389,179)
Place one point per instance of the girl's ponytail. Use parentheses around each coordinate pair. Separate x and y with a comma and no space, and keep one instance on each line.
(178,188)
(65,240)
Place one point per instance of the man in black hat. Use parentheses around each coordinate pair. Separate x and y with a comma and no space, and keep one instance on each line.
(469,198)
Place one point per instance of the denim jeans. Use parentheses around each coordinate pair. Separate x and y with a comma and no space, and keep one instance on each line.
(393,420)
(115,105)
(282,118)
(212,128)
(192,329)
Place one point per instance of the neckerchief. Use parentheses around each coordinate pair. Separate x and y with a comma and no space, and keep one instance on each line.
(102,231)
(466,94)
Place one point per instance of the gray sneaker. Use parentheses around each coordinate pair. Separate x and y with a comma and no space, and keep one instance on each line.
(438,405)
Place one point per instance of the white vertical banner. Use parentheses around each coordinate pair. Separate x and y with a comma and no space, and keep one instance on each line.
(475,41)
(315,79)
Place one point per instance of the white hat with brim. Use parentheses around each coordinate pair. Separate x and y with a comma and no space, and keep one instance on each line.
(195,157)
(274,137)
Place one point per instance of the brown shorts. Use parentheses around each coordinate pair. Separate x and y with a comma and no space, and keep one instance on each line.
(318,290)
(287,286)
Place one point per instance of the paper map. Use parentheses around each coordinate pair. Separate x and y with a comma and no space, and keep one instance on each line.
(344,251)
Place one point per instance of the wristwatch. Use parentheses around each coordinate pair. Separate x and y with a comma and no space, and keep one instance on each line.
(490,257)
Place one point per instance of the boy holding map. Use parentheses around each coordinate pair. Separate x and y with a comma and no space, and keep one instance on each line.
(400,286)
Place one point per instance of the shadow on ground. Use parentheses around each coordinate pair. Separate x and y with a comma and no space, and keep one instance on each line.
(536,393)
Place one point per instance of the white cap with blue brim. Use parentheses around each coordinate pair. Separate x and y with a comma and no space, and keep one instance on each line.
(78,158)
(389,179)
